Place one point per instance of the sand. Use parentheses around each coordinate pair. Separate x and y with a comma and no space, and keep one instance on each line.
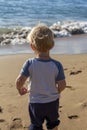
(73,101)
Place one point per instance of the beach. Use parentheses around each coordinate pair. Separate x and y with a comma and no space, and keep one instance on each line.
(73,100)
(68,21)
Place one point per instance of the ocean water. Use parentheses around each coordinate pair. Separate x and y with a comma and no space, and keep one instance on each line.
(27,13)
(30,12)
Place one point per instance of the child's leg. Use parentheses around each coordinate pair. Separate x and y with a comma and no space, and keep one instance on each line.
(52,115)
(36,116)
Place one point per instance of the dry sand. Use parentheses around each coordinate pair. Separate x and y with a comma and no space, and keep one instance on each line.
(73,101)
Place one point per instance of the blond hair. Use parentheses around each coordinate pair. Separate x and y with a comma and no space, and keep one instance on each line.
(41,37)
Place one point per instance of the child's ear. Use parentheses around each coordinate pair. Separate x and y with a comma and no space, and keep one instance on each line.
(33,47)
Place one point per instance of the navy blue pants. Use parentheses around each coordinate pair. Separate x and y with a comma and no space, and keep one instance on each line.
(44,111)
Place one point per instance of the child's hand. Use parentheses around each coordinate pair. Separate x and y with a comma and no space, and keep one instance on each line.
(23,91)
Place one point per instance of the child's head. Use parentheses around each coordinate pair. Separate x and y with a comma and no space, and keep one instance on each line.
(41,38)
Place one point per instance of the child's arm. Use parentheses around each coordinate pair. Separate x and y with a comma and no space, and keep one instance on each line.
(61,85)
(20,84)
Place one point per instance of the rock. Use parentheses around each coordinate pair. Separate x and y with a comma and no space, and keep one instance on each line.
(6,41)
(62,33)
(1,38)
(60,29)
(75,30)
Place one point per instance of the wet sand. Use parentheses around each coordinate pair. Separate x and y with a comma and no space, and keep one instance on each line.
(76,44)
(73,101)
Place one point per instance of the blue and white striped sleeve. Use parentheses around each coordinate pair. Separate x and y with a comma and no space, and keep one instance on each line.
(25,69)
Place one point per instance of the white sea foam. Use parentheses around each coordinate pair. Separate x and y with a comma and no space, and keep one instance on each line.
(60,29)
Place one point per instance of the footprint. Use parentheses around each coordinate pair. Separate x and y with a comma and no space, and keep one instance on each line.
(73,117)
(65,69)
(75,72)
(2,120)
(70,87)
(16,123)
(1,110)
(11,85)
(60,106)
(84,105)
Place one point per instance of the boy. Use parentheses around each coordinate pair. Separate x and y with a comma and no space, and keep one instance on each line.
(47,80)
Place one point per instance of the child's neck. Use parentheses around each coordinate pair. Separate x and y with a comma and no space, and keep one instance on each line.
(43,55)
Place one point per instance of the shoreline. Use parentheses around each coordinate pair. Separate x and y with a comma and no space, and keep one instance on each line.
(30,54)
(76,44)
(73,108)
